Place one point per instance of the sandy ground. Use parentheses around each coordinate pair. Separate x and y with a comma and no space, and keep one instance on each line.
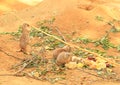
(71,16)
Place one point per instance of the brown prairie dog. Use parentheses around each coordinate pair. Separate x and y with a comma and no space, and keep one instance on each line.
(24,39)
(63,58)
(57,51)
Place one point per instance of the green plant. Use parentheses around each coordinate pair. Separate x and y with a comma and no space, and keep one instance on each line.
(105,43)
(118,47)
(36,33)
(114,30)
(82,40)
(52,43)
(37,44)
(99,18)
(42,23)
(15,34)
(79,53)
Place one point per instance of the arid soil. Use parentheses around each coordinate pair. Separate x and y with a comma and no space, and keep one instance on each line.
(77,16)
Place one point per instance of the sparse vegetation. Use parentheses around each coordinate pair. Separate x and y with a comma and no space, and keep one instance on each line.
(15,34)
(43,68)
(90,28)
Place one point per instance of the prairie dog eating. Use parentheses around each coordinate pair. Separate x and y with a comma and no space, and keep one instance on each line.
(63,58)
(24,39)
(57,51)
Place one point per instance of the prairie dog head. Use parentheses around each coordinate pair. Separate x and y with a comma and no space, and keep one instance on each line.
(63,58)
(25,28)
(57,51)
(67,56)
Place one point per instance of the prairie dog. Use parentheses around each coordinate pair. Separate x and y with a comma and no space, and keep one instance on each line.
(24,39)
(63,58)
(57,51)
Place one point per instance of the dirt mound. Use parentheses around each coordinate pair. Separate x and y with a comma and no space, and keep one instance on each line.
(80,15)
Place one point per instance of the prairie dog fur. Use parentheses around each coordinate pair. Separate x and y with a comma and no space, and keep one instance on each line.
(24,39)
(63,58)
(57,51)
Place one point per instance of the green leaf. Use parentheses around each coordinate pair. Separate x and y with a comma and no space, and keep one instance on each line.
(82,40)
(99,18)
(37,45)
(118,47)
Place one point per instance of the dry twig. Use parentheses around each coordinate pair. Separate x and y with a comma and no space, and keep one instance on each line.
(10,55)
(16,73)
(60,34)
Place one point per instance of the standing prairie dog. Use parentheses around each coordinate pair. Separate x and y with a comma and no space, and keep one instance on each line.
(63,58)
(24,39)
(57,51)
